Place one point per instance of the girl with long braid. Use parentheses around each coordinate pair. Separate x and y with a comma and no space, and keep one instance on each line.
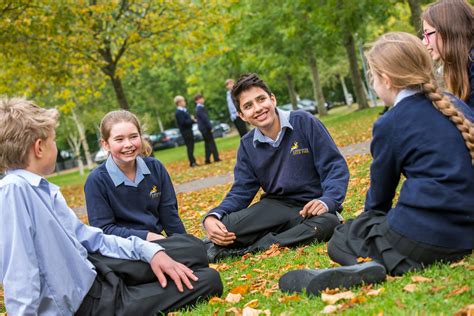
(428,137)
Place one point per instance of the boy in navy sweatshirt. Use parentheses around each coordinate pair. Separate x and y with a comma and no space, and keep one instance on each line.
(292,157)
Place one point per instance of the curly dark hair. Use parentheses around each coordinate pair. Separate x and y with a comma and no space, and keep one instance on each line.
(245,82)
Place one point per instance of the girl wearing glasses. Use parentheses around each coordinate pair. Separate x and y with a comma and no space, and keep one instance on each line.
(448,35)
(427,137)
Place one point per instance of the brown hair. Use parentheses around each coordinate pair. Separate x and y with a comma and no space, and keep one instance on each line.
(114,117)
(22,123)
(244,83)
(453,20)
(403,58)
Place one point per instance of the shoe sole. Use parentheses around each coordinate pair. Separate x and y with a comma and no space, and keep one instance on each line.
(346,277)
(296,281)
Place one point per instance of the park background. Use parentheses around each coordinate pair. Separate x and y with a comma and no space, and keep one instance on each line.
(89,57)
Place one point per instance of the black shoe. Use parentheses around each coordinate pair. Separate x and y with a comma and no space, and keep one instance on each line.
(315,281)
(217,160)
(215,252)
(194,164)
(207,162)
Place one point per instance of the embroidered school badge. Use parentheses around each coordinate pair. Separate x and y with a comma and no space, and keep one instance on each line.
(154,193)
(295,150)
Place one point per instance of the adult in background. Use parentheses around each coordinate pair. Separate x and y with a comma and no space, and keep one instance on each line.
(185,124)
(235,118)
(205,127)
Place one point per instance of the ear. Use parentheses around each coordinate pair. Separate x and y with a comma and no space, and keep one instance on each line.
(386,81)
(274,100)
(37,148)
(105,145)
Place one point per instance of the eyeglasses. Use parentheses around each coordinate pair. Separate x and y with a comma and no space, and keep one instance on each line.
(426,36)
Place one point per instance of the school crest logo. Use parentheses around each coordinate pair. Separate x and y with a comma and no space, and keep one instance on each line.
(296,150)
(154,193)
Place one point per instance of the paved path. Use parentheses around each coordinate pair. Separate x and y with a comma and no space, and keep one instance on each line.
(196,185)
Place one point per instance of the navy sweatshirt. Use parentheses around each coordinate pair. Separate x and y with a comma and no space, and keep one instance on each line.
(306,165)
(436,202)
(204,124)
(133,211)
(184,121)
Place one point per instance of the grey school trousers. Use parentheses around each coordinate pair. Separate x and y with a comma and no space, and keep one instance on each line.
(124,287)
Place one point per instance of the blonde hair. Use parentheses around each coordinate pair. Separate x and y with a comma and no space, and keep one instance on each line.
(403,58)
(22,123)
(178,98)
(114,117)
(453,21)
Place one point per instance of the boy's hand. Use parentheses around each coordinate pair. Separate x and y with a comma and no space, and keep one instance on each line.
(217,232)
(153,236)
(313,208)
(163,265)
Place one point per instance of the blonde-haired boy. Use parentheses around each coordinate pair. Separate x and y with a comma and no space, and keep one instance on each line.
(53,264)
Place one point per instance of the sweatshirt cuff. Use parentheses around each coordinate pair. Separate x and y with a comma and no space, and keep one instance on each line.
(330,204)
(139,233)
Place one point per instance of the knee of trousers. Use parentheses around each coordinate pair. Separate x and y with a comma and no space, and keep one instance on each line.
(194,247)
(212,282)
(324,225)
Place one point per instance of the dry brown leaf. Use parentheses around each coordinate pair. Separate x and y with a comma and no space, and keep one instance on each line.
(399,304)
(458,291)
(288,298)
(241,289)
(170,314)
(233,311)
(233,298)
(252,304)
(420,279)
(258,270)
(466,311)
(375,292)
(331,299)
(331,291)
(410,288)
(219,267)
(435,289)
(329,309)
(393,278)
(248,311)
(216,300)
(457,264)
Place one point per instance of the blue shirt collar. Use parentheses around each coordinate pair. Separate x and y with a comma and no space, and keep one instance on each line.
(181,108)
(35,180)
(404,93)
(199,105)
(118,177)
(284,117)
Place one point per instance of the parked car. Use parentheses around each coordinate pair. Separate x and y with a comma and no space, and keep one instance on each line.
(167,139)
(101,155)
(305,104)
(218,130)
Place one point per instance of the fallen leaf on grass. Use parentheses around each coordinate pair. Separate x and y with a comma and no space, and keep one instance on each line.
(216,300)
(329,309)
(233,311)
(420,279)
(331,299)
(173,314)
(457,264)
(466,311)
(410,288)
(435,289)
(288,298)
(248,311)
(241,289)
(458,291)
(375,292)
(233,298)
(393,278)
(252,304)
(219,267)
(399,304)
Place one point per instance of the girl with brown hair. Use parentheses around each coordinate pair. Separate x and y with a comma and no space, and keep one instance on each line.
(428,137)
(448,30)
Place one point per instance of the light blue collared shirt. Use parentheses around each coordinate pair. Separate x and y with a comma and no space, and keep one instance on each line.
(44,246)
(231,106)
(284,124)
(118,177)
(404,93)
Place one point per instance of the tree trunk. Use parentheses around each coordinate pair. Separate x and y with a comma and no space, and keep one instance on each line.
(317,89)
(349,45)
(75,144)
(119,93)
(347,98)
(292,91)
(415,20)
(83,139)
